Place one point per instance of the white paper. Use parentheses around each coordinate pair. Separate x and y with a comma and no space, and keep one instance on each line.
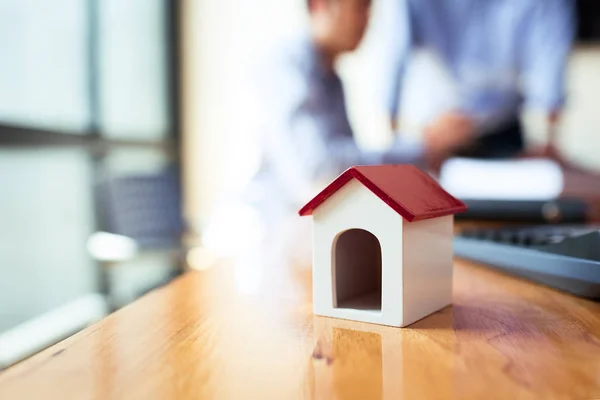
(534,179)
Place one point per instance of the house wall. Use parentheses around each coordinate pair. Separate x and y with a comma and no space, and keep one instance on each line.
(427,267)
(354,206)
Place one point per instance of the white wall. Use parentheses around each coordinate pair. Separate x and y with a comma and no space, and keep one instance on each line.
(223,38)
(580,130)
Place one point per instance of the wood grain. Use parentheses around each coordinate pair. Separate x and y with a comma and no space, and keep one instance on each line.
(247,331)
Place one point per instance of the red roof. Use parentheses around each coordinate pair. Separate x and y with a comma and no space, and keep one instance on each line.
(409,191)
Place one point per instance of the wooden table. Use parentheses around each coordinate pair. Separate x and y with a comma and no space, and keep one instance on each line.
(247,331)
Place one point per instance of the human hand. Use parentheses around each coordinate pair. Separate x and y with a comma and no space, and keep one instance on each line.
(447,134)
(548,151)
(394,124)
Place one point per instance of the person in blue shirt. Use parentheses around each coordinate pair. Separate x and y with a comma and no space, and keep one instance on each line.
(306,137)
(298,111)
(502,55)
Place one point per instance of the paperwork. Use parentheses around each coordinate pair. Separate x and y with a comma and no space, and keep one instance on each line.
(533,179)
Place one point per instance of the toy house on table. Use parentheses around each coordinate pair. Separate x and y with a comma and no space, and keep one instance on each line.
(382,238)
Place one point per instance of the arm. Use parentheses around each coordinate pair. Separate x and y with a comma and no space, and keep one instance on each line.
(304,142)
(547,46)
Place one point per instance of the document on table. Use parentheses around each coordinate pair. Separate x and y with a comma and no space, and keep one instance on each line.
(533,179)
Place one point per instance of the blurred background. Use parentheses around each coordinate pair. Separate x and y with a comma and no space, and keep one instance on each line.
(125,123)
(90,160)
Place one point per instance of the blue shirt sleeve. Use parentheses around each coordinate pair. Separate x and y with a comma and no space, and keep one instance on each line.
(548,41)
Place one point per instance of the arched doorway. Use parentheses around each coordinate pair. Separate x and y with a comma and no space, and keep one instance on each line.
(357,270)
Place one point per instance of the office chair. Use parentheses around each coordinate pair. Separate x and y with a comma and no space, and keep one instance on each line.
(141,221)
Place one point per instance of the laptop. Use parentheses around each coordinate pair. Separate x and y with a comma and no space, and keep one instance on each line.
(565,257)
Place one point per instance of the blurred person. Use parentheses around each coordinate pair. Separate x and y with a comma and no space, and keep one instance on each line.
(298,112)
(306,136)
(500,54)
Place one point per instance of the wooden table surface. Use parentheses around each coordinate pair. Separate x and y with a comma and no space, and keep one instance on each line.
(244,331)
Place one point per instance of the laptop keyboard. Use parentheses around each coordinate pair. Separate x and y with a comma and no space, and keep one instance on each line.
(560,256)
(538,236)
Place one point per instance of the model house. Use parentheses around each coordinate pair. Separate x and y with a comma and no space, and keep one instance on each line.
(382,245)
